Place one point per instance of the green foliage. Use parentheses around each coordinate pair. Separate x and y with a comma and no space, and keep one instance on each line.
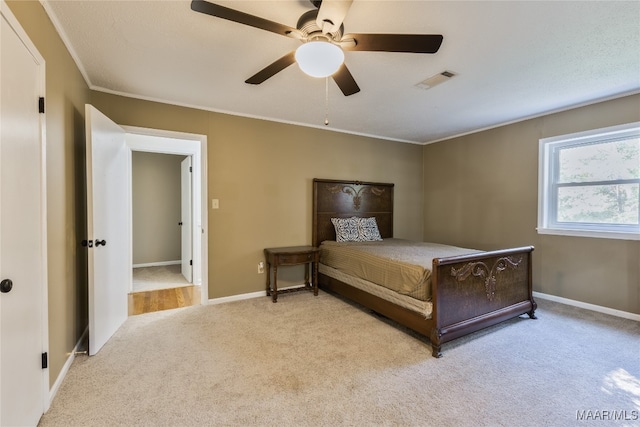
(613,168)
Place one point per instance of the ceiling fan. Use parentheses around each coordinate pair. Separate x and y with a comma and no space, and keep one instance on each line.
(322,34)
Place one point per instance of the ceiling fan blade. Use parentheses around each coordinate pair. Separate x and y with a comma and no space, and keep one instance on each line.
(331,14)
(273,69)
(243,18)
(415,43)
(345,81)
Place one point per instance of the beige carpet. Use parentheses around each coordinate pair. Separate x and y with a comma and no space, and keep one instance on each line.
(321,361)
(158,277)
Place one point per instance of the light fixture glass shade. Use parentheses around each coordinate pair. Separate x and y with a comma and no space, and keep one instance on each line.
(319,58)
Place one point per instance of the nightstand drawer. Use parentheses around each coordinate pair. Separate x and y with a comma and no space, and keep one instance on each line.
(294,259)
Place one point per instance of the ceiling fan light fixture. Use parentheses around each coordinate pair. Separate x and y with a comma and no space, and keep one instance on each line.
(319,58)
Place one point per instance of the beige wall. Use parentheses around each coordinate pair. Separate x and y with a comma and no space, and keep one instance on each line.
(481,191)
(66,94)
(156,207)
(262,174)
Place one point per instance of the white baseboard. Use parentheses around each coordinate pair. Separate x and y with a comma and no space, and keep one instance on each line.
(587,306)
(157,264)
(250,295)
(240,297)
(66,367)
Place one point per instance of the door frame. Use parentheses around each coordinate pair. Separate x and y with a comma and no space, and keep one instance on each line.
(42,258)
(188,144)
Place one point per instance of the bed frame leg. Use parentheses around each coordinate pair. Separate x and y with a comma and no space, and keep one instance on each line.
(436,347)
(436,350)
(532,313)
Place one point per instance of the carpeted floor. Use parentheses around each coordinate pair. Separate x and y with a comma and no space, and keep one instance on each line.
(321,361)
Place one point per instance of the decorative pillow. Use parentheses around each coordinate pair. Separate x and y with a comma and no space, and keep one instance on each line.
(368,230)
(346,229)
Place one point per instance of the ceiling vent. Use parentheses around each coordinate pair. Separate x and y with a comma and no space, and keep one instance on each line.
(435,80)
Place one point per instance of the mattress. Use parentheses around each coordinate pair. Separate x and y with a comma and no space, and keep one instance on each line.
(423,307)
(399,265)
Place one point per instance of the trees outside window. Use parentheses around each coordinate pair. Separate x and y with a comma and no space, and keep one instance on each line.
(590,182)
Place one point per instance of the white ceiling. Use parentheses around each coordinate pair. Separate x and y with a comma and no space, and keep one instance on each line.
(513,60)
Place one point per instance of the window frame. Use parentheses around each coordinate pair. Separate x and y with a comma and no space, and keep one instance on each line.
(548,170)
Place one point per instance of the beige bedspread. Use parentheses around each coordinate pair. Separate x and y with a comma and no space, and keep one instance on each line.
(403,266)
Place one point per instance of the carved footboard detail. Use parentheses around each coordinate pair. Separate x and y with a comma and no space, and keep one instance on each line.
(480,269)
(471,292)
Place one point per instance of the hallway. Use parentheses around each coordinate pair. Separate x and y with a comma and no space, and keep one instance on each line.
(161,288)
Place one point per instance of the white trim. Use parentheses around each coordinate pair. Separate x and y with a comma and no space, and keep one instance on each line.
(597,134)
(535,116)
(65,40)
(67,365)
(587,233)
(189,144)
(250,116)
(368,135)
(157,264)
(251,295)
(232,298)
(587,306)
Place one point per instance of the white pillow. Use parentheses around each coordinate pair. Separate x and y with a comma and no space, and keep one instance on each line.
(368,230)
(346,229)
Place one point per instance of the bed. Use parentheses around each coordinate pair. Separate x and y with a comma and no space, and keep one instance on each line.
(468,290)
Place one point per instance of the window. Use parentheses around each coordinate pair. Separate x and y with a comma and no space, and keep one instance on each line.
(589,183)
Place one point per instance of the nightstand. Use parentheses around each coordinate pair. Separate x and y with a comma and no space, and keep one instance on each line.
(294,255)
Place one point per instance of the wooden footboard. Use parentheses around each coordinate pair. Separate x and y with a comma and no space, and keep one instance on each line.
(475,291)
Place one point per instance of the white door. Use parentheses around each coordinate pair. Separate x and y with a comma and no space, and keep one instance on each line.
(185,193)
(22,230)
(108,226)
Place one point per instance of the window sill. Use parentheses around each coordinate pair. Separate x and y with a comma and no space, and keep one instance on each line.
(589,233)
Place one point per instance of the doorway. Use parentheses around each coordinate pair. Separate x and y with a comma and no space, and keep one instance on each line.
(162,276)
(167,218)
(109,148)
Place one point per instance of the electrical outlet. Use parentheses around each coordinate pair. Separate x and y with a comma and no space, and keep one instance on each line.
(260,267)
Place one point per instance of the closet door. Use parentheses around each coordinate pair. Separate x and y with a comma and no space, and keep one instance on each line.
(186,219)
(23,272)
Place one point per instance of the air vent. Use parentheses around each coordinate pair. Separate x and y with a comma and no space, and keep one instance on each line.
(435,80)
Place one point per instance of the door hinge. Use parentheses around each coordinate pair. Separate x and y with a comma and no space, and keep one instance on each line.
(190,169)
(45,360)
(41,105)
(190,262)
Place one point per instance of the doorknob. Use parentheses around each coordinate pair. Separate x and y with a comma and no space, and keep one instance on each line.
(6,285)
(101,242)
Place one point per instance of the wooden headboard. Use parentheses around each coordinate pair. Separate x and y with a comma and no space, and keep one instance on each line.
(344,199)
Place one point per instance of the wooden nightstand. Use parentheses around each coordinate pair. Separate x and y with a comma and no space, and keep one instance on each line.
(294,255)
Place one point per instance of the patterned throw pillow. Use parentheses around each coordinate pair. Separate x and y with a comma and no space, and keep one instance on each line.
(368,230)
(346,229)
